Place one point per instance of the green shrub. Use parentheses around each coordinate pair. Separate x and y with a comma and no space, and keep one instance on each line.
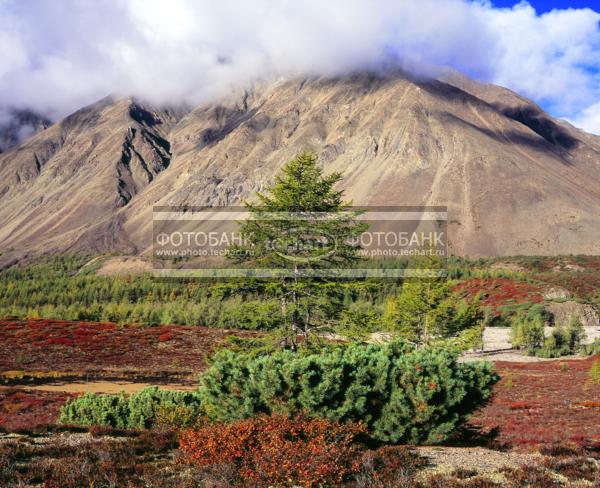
(96,409)
(176,417)
(252,315)
(428,309)
(517,312)
(144,405)
(360,318)
(591,349)
(594,373)
(402,394)
(538,311)
(467,339)
(527,333)
(575,334)
(562,341)
(136,411)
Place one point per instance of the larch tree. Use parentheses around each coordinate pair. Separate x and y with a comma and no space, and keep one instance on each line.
(303,230)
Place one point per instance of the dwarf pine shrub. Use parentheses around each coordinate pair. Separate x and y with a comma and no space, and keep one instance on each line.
(146,404)
(402,394)
(137,411)
(96,409)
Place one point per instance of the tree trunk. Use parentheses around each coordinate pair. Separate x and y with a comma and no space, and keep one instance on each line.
(295,311)
(284,320)
(306,327)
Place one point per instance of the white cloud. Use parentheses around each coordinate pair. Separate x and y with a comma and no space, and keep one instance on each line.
(550,58)
(56,55)
(589,119)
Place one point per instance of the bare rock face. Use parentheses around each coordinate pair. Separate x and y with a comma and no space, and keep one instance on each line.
(564,312)
(62,188)
(515,181)
(556,293)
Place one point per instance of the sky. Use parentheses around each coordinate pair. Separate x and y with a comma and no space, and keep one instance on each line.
(542,6)
(58,55)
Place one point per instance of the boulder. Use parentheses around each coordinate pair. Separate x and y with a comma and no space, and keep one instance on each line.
(563,312)
(556,293)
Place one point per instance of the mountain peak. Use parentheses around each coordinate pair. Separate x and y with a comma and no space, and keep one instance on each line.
(515,180)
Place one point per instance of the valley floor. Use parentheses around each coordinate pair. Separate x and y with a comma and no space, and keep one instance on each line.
(43,363)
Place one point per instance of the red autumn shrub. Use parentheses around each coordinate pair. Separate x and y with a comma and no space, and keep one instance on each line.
(561,449)
(530,475)
(574,468)
(498,292)
(387,466)
(165,336)
(519,406)
(277,450)
(588,404)
(557,404)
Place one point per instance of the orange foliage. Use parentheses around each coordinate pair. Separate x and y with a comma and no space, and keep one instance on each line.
(277,450)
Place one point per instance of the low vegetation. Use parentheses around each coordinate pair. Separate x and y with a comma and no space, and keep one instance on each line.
(35,346)
(140,410)
(63,288)
(402,394)
(321,453)
(272,450)
(543,403)
(30,411)
(137,459)
(527,333)
(592,349)
(534,403)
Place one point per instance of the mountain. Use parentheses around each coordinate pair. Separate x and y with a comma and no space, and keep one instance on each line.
(17,125)
(515,180)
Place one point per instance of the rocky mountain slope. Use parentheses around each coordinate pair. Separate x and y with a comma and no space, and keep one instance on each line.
(515,180)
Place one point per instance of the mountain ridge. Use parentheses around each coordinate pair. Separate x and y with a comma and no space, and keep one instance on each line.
(515,180)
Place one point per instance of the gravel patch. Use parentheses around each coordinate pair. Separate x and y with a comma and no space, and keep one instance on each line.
(479,459)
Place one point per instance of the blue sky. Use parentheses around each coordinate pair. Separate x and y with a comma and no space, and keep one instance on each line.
(586,112)
(58,55)
(542,6)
